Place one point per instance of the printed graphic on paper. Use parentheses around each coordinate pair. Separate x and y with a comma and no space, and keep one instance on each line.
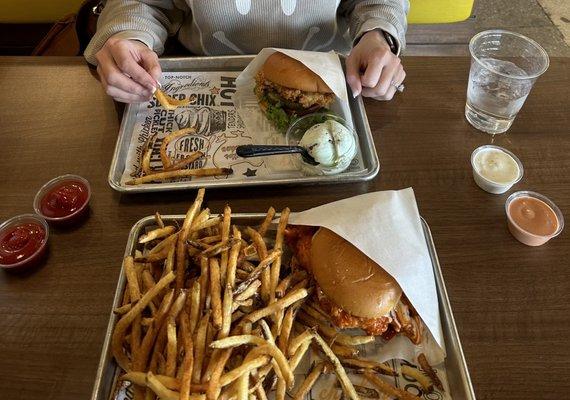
(219,129)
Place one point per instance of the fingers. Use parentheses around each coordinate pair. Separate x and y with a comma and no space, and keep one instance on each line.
(373,71)
(150,63)
(353,74)
(116,78)
(388,82)
(119,94)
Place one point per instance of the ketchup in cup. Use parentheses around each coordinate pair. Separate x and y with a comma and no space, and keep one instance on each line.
(63,199)
(23,241)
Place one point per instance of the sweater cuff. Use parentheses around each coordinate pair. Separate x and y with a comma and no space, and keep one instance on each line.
(142,37)
(377,23)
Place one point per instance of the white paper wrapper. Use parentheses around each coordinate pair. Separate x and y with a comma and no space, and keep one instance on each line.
(386,227)
(326,65)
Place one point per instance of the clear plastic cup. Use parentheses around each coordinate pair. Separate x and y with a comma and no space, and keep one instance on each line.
(487,184)
(38,254)
(504,67)
(296,131)
(72,217)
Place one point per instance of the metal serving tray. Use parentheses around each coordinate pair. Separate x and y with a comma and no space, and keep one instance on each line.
(371,165)
(458,378)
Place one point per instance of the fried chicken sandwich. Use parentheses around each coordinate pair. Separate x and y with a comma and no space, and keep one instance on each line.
(287,89)
(352,289)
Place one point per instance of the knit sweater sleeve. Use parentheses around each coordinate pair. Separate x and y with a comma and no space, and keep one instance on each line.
(149,21)
(387,15)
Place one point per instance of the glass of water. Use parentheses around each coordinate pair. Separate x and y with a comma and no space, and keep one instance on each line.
(504,66)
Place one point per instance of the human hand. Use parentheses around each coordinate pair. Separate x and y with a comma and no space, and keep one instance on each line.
(129,70)
(382,69)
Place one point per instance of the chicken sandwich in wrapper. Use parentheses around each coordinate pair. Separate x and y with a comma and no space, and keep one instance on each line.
(351,288)
(287,89)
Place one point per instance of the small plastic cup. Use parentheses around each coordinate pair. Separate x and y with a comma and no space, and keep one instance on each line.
(296,131)
(39,254)
(523,236)
(487,184)
(74,216)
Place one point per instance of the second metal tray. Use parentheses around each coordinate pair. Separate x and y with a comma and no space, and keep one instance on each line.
(371,165)
(458,378)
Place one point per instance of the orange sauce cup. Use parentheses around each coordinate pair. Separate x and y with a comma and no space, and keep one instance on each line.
(533,219)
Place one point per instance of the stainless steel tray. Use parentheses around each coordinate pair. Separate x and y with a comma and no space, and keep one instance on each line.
(371,165)
(459,382)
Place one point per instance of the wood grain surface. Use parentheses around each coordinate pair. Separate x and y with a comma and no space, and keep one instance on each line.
(511,302)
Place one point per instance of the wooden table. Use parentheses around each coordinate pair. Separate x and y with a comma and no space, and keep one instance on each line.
(511,302)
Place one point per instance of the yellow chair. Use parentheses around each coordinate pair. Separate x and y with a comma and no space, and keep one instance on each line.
(36,11)
(439,11)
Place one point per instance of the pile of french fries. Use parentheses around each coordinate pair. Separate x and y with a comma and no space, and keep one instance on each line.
(171,169)
(212,311)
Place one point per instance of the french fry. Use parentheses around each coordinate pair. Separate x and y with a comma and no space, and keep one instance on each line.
(266,221)
(204,281)
(331,332)
(226,313)
(344,351)
(264,264)
(132,279)
(168,102)
(153,257)
(225,228)
(418,376)
(276,354)
(171,348)
(249,291)
(276,266)
(166,162)
(157,234)
(367,392)
(244,368)
(145,164)
(288,281)
(187,367)
(122,309)
(169,264)
(266,331)
(159,389)
(286,326)
(261,249)
(194,306)
(128,318)
(215,292)
(238,340)
(427,368)
(278,305)
(180,173)
(388,389)
(139,378)
(214,386)
(166,243)
(200,347)
(233,258)
(184,162)
(369,364)
(158,219)
(309,381)
(206,224)
(299,354)
(298,340)
(141,359)
(345,382)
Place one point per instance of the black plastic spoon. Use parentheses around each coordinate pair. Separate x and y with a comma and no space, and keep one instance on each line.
(257,150)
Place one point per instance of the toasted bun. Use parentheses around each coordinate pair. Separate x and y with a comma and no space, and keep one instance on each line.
(350,279)
(286,71)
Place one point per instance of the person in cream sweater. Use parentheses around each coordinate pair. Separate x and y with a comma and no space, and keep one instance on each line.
(131,34)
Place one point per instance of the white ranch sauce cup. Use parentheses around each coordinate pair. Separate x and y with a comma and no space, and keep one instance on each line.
(489,162)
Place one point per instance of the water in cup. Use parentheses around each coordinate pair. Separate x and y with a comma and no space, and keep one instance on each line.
(494,100)
(504,67)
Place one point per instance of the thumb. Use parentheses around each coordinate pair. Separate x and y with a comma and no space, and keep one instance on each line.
(353,74)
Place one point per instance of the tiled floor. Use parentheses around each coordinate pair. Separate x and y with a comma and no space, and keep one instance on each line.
(546,21)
